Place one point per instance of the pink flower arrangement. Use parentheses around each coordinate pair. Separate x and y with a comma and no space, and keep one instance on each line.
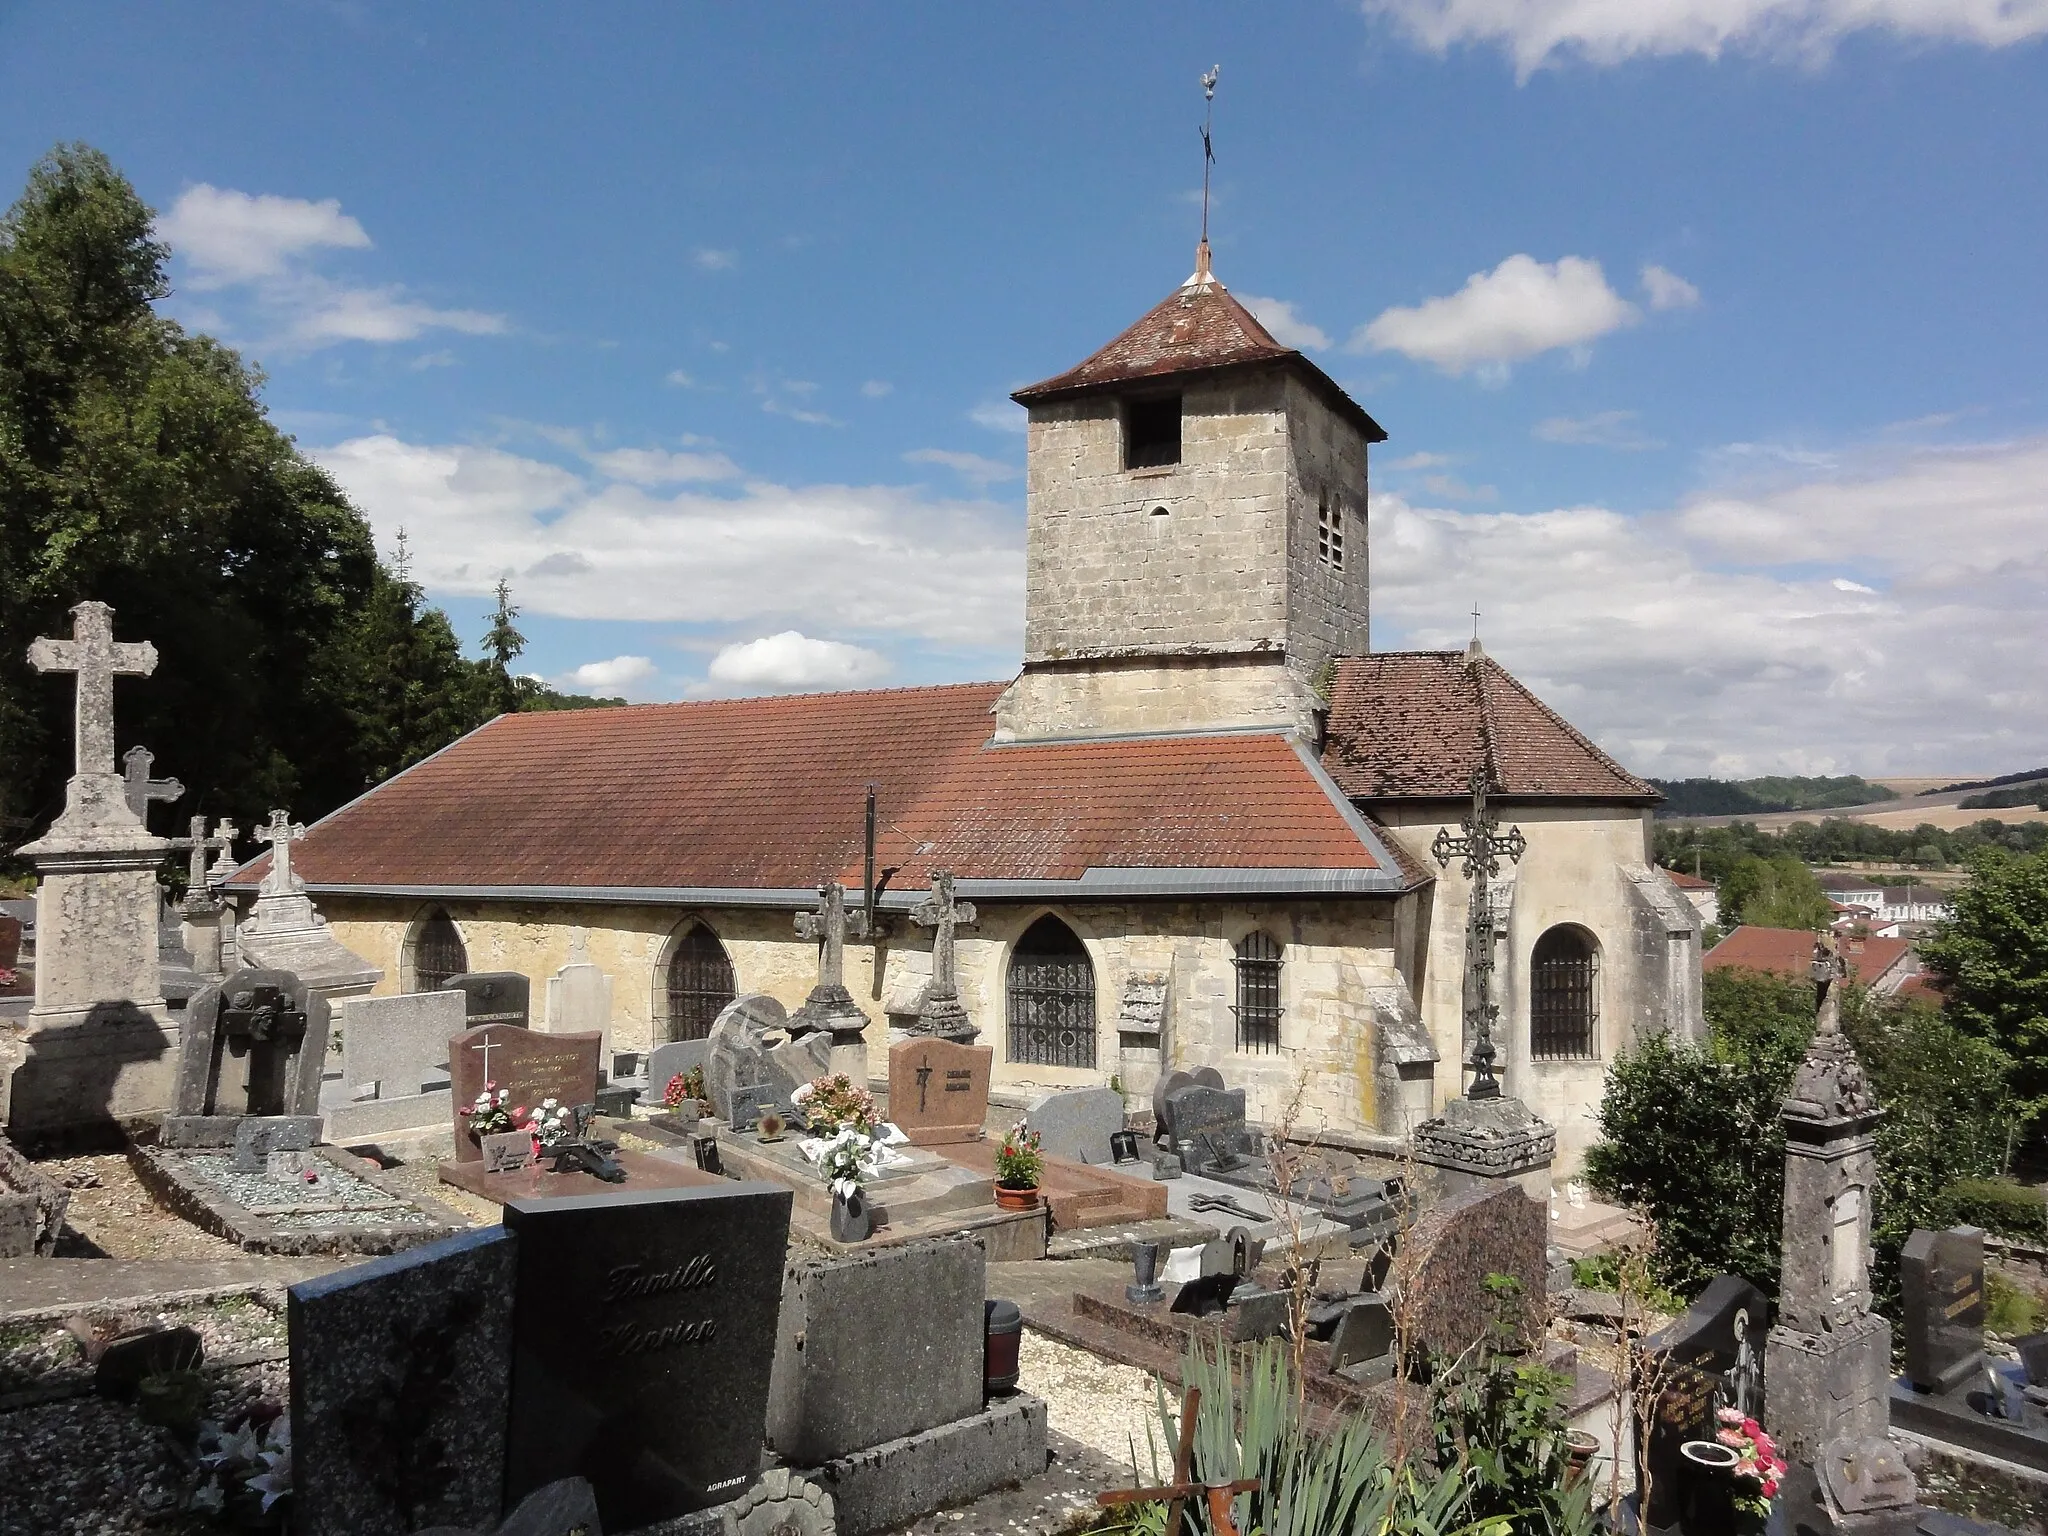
(1756,1459)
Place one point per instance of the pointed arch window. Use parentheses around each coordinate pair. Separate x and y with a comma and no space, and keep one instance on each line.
(1258,994)
(1564,996)
(698,983)
(437,953)
(1051,997)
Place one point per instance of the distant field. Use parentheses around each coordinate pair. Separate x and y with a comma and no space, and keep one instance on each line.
(1918,807)
(1922,786)
(1947,817)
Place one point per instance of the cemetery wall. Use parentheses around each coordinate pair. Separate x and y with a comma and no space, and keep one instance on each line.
(1575,872)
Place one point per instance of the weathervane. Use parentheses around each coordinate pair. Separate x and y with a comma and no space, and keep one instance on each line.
(1208,161)
(1481,848)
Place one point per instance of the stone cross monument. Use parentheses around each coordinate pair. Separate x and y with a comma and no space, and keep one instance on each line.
(1827,1366)
(281,833)
(941,1013)
(140,788)
(285,932)
(200,913)
(97,1047)
(830,1006)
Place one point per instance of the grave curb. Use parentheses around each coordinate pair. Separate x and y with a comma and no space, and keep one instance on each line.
(899,1481)
(253,1234)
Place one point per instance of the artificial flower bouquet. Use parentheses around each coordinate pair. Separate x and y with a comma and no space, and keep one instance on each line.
(850,1156)
(834,1103)
(493,1113)
(1759,1469)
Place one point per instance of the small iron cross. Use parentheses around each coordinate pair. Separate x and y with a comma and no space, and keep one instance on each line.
(1184,1487)
(832,924)
(281,834)
(140,789)
(97,658)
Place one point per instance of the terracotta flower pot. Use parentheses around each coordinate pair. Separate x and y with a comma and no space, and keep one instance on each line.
(1009,1199)
(1580,1447)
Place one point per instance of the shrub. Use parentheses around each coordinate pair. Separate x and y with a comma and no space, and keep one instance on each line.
(2002,1206)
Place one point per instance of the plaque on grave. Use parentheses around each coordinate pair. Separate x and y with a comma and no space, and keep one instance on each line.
(938,1091)
(506,1151)
(645,1365)
(493,997)
(530,1066)
(1941,1295)
(1209,1127)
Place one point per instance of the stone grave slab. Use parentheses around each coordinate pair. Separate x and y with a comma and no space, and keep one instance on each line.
(666,1060)
(397,1047)
(876,1346)
(493,997)
(534,1180)
(353,1209)
(1941,1295)
(1076,1195)
(641,1358)
(532,1066)
(400,1369)
(1077,1123)
(1440,1273)
(938,1090)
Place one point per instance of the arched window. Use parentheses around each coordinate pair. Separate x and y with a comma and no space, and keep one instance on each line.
(437,953)
(1258,994)
(1052,998)
(1564,996)
(698,983)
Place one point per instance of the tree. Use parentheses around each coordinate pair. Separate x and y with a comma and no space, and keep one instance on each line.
(1991,959)
(502,645)
(1779,892)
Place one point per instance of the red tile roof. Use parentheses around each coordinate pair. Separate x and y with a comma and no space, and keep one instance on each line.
(1413,724)
(768,794)
(1685,882)
(1196,328)
(1789,952)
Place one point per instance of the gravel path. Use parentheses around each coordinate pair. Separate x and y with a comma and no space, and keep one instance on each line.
(1105,1407)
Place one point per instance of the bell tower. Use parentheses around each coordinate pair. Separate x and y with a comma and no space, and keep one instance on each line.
(1196,545)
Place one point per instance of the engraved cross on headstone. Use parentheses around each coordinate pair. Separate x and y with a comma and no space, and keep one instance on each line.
(941,913)
(281,834)
(97,658)
(140,789)
(1481,848)
(832,924)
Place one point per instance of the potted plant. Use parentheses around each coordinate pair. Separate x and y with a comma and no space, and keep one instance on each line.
(1019,1162)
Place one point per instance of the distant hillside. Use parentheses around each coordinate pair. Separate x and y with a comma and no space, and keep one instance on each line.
(2034,793)
(2002,780)
(1759,797)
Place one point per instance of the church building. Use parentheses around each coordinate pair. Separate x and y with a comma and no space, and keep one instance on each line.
(1197,827)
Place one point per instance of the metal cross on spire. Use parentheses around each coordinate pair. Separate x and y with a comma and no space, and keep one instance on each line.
(1208,154)
(1481,849)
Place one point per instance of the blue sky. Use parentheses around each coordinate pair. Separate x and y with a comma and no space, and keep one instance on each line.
(1709,334)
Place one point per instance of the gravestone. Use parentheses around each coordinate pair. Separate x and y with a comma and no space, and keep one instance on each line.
(875,1347)
(1440,1273)
(1209,1128)
(398,1045)
(646,1369)
(1941,1295)
(254,1043)
(1711,1357)
(400,1370)
(579,999)
(529,1065)
(257,1136)
(666,1060)
(493,997)
(1365,1336)
(1078,1122)
(938,1090)
(790,1065)
(565,1508)
(735,1051)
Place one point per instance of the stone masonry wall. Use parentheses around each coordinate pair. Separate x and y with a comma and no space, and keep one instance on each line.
(1329,608)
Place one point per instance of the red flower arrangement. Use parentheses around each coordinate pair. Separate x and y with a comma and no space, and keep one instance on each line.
(1758,1467)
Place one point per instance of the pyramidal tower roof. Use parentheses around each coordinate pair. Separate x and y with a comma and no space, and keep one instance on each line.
(1198,328)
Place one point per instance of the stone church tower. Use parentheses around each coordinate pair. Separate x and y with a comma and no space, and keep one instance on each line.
(1196,553)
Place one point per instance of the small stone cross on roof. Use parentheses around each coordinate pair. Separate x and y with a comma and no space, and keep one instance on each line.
(281,833)
(224,835)
(97,658)
(832,924)
(140,789)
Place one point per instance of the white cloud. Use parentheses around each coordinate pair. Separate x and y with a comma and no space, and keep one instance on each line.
(680,379)
(233,237)
(875,389)
(1451,488)
(716,261)
(1714,637)
(1288,328)
(426,360)
(1521,308)
(810,418)
(1419,461)
(328,312)
(1667,290)
(1603,429)
(657,466)
(1535,33)
(620,675)
(792,661)
(999,416)
(971,467)
(884,560)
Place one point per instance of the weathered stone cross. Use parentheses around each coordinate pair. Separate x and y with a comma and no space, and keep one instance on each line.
(224,834)
(197,876)
(140,789)
(943,914)
(1482,848)
(833,924)
(281,834)
(98,659)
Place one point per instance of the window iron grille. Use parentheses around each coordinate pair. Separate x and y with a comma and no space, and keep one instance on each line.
(1564,1003)
(437,954)
(1258,995)
(700,984)
(1051,998)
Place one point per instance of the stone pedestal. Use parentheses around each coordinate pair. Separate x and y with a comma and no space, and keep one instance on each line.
(1820,1386)
(285,933)
(829,1007)
(850,1059)
(1480,1143)
(199,927)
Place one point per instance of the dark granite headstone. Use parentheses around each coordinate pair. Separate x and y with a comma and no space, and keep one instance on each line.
(2033,1349)
(530,1065)
(1209,1128)
(642,1352)
(1365,1333)
(493,997)
(1941,1296)
(400,1369)
(257,1136)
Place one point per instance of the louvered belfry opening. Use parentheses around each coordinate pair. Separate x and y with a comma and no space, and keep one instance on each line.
(700,983)
(437,953)
(1564,1004)
(1258,994)
(1052,998)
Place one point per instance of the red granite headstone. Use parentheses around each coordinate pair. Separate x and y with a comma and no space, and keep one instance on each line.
(10,941)
(531,1065)
(938,1091)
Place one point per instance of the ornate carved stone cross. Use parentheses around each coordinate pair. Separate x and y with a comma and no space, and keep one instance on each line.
(1830,970)
(140,788)
(941,1012)
(1481,849)
(224,835)
(281,834)
(97,658)
(832,924)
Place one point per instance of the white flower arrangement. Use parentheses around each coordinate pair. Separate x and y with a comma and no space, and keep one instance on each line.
(551,1124)
(849,1157)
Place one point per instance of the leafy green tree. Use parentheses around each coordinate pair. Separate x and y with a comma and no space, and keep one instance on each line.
(411,691)
(502,645)
(1992,963)
(1779,892)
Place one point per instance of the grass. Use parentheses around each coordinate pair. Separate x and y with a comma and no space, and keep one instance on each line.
(2010,1310)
